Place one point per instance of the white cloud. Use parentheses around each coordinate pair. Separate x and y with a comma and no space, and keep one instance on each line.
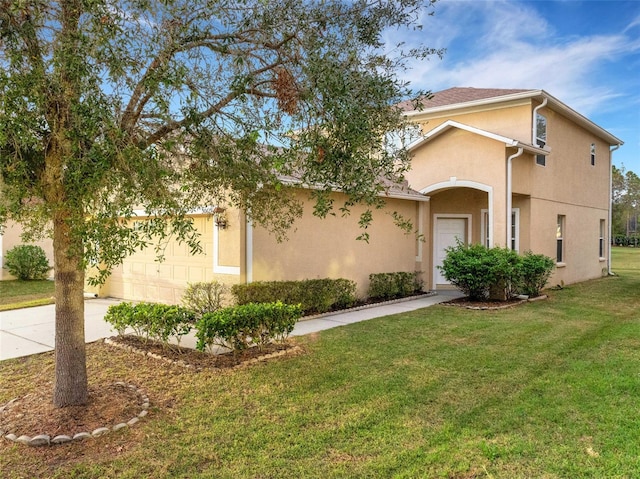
(507,44)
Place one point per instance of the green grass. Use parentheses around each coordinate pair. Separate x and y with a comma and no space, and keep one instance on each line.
(549,389)
(18,294)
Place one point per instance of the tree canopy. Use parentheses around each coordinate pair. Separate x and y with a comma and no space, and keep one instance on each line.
(626,201)
(111,106)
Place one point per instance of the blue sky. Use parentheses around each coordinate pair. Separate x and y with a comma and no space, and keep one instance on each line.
(585,53)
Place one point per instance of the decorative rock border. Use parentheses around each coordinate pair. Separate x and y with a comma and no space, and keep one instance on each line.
(492,308)
(184,364)
(46,440)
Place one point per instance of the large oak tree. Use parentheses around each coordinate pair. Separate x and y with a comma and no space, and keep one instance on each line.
(108,106)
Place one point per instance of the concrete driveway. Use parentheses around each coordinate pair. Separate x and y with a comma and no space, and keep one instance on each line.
(32,330)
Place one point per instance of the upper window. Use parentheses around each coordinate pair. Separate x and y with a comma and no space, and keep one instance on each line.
(541,137)
(593,154)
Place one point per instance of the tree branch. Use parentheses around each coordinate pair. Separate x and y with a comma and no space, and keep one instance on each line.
(171,126)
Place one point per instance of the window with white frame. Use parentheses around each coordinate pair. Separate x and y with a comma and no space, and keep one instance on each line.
(560,235)
(515,229)
(601,243)
(485,228)
(593,154)
(541,137)
(514,242)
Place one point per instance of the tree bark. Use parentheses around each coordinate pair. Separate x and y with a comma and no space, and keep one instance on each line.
(70,386)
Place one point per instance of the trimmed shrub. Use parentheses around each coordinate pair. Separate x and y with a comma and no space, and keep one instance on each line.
(506,271)
(239,327)
(535,272)
(469,268)
(499,273)
(624,240)
(158,322)
(314,295)
(394,285)
(478,271)
(204,297)
(27,262)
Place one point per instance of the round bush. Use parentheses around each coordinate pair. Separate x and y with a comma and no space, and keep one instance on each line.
(27,262)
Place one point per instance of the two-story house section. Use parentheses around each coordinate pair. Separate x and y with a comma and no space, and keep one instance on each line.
(511,168)
(517,169)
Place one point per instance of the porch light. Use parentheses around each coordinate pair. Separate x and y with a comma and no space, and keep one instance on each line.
(220,217)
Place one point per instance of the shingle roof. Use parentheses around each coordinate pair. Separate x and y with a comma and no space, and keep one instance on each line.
(400,190)
(457,95)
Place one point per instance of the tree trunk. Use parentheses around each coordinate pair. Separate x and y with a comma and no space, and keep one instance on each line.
(70,387)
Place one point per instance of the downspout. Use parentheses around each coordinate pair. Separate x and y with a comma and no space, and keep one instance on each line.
(610,273)
(509,194)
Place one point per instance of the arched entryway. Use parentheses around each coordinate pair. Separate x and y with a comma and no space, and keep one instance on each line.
(460,211)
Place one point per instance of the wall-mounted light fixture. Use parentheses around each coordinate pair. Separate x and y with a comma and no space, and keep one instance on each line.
(220,217)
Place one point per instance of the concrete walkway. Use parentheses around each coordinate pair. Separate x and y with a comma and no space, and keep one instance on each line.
(32,330)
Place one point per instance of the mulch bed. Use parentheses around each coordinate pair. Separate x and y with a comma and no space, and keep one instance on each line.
(197,359)
(109,403)
(35,414)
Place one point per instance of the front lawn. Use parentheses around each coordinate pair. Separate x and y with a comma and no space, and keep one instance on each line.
(17,293)
(547,389)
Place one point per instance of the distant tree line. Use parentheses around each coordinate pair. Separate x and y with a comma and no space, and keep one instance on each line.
(626,207)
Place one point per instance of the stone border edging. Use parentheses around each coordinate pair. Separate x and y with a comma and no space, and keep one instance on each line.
(492,308)
(46,440)
(184,364)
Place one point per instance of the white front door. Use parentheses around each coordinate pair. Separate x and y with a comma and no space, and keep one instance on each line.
(446,233)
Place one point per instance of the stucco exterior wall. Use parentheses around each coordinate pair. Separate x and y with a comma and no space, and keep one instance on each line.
(460,154)
(328,248)
(142,278)
(581,236)
(568,175)
(512,120)
(459,159)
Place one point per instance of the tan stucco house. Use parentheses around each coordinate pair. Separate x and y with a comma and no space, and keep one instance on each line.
(514,168)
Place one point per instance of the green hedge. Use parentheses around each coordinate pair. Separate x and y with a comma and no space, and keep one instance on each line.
(314,295)
(394,285)
(478,271)
(535,270)
(158,322)
(240,327)
(27,262)
(624,240)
